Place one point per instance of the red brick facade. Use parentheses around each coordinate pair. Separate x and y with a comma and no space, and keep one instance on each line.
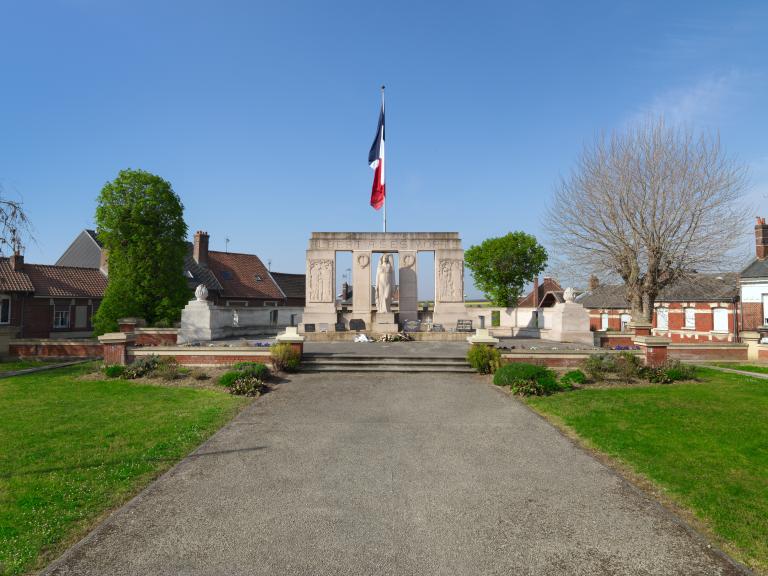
(54,349)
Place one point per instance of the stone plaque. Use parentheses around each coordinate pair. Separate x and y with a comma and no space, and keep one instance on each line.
(464,326)
(320,280)
(412,326)
(357,324)
(340,327)
(451,280)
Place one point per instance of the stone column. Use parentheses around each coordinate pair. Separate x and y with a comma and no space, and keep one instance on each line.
(654,349)
(321,282)
(361,286)
(408,276)
(751,339)
(115,346)
(449,288)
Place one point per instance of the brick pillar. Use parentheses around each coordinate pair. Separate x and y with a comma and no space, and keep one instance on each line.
(292,337)
(115,347)
(130,324)
(298,347)
(654,349)
(641,328)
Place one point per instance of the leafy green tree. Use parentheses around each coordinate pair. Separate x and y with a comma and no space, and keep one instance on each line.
(502,266)
(140,222)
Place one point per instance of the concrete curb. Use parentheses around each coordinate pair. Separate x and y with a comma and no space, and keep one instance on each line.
(41,368)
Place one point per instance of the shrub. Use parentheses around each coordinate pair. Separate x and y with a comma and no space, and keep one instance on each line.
(284,357)
(531,387)
(198,374)
(574,377)
(598,364)
(506,374)
(255,369)
(144,366)
(628,366)
(228,378)
(247,386)
(114,371)
(168,369)
(676,370)
(484,359)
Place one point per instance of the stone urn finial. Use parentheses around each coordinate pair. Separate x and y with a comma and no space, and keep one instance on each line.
(201,293)
(569,295)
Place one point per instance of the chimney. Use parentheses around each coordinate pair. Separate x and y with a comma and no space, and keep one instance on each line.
(17,262)
(200,252)
(104,262)
(594,282)
(761,239)
(536,292)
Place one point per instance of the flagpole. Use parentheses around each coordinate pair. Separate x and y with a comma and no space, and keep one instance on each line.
(385,165)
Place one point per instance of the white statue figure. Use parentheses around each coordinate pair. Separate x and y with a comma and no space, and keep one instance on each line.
(235,319)
(201,293)
(384,274)
(569,295)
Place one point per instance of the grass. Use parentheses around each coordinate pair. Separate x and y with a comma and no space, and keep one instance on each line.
(72,450)
(743,367)
(13,365)
(705,444)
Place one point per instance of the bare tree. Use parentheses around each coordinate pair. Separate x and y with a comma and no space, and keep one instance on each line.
(649,205)
(14,225)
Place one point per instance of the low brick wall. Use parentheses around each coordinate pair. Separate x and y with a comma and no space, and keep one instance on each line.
(554,358)
(608,340)
(156,336)
(55,348)
(203,356)
(703,352)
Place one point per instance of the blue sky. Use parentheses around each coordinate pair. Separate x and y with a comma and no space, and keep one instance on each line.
(261,113)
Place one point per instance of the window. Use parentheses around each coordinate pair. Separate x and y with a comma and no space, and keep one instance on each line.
(81,316)
(662,318)
(258,278)
(273,317)
(5,309)
(270,303)
(61,317)
(720,319)
(625,320)
(690,318)
(603,321)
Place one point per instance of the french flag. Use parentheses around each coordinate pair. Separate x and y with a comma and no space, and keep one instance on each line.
(376,161)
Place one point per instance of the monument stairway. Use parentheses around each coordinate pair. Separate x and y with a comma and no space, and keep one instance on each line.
(357,363)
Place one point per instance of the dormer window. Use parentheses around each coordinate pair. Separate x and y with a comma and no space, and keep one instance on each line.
(258,278)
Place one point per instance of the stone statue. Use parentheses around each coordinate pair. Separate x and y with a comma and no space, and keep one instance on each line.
(384,283)
(201,293)
(569,295)
(235,319)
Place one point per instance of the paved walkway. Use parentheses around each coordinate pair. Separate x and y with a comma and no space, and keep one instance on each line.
(399,474)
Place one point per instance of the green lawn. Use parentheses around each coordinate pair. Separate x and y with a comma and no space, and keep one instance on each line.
(705,443)
(744,367)
(12,365)
(72,450)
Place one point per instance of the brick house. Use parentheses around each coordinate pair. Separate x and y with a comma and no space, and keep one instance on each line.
(754,283)
(543,295)
(44,301)
(698,308)
(232,279)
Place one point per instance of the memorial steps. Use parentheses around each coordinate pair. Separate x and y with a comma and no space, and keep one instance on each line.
(357,363)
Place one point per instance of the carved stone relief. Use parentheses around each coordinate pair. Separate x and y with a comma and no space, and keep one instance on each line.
(408,261)
(321,280)
(363,260)
(451,280)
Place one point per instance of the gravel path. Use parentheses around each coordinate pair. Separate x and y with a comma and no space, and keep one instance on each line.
(398,474)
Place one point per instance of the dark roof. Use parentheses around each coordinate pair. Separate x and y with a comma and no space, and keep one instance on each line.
(13,281)
(292,285)
(53,281)
(243,276)
(693,288)
(547,285)
(756,269)
(94,237)
(200,274)
(83,252)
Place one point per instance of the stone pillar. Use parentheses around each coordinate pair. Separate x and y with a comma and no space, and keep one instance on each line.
(130,324)
(751,339)
(449,288)
(408,283)
(115,347)
(641,328)
(292,337)
(321,282)
(654,349)
(361,286)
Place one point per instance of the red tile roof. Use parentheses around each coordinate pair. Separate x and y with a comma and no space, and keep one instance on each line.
(547,285)
(66,281)
(237,273)
(12,281)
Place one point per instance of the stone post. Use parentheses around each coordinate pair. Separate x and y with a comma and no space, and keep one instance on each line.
(292,337)
(361,286)
(641,328)
(130,324)
(408,286)
(751,339)
(654,349)
(115,347)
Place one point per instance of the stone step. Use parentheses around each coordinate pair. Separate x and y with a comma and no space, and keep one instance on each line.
(398,361)
(355,363)
(405,368)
